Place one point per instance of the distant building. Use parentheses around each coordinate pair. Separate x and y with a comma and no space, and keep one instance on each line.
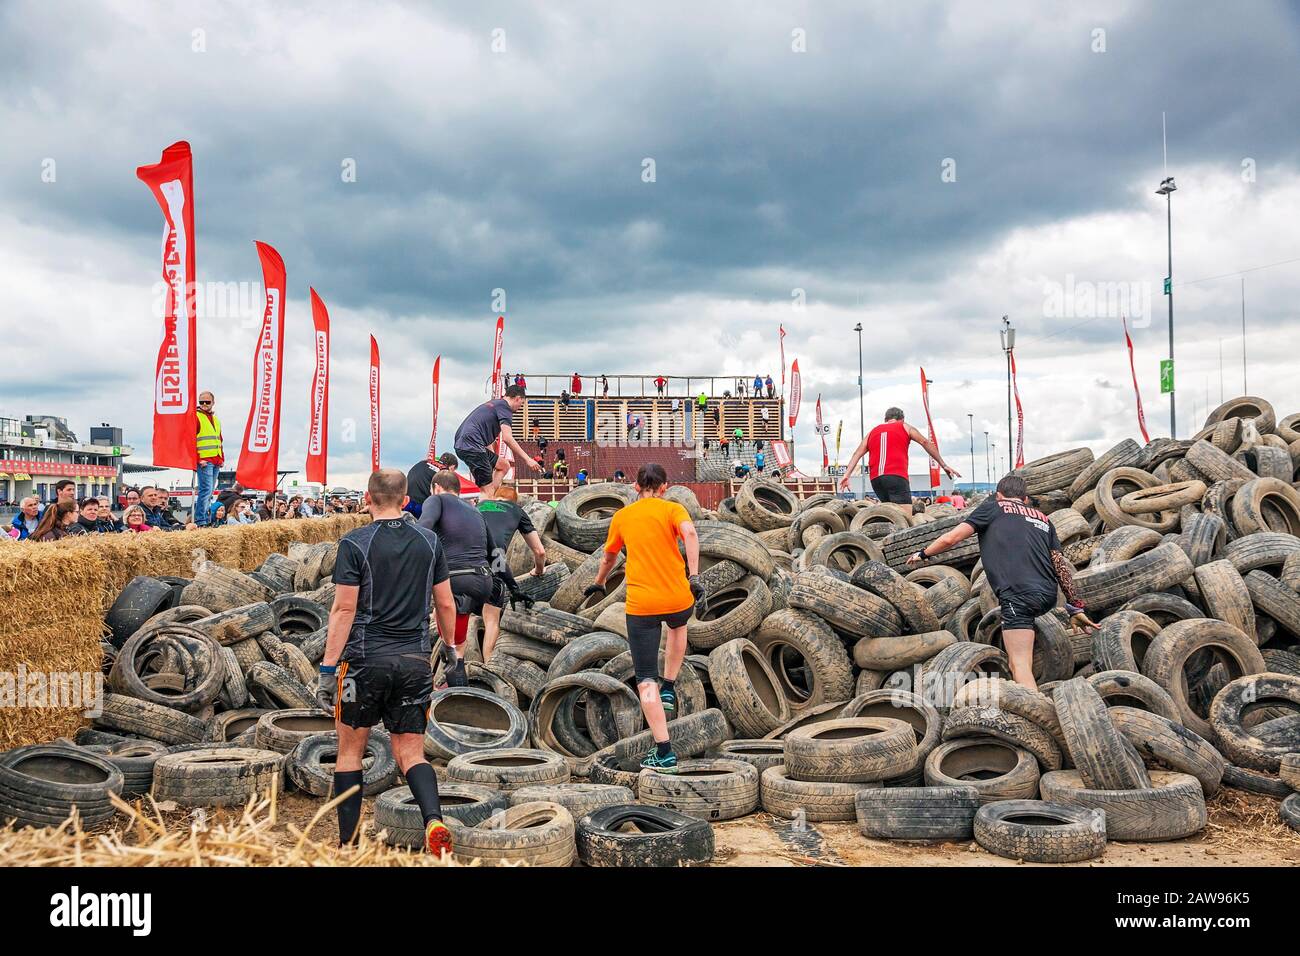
(41,450)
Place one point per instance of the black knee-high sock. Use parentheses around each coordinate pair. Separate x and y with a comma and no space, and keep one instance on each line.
(424,787)
(349,810)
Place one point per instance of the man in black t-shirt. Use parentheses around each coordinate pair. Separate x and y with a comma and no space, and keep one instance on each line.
(1024,564)
(476,578)
(376,663)
(504,517)
(476,439)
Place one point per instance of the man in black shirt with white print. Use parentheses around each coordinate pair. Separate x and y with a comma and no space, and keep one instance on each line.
(1024,564)
(376,664)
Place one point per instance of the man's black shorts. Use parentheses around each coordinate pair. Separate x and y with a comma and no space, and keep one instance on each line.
(472,591)
(500,594)
(481,463)
(893,488)
(394,689)
(1019,610)
(643,631)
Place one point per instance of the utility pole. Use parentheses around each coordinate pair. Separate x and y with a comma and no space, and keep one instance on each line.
(1166,189)
(1009,343)
(862,408)
(971,416)
(1243,336)
(988,461)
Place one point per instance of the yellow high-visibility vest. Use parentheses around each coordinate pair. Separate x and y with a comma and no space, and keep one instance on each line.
(209,437)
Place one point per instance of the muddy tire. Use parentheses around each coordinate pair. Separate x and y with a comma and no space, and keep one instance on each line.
(917,813)
(707,789)
(1121,643)
(852,750)
(807,657)
(997,771)
(141,599)
(846,608)
(1122,688)
(723,541)
(467,720)
(1111,585)
(1040,832)
(41,784)
(817,802)
(536,834)
(1225,596)
(398,815)
(282,730)
(579,799)
(733,612)
(217,776)
(659,837)
(275,688)
(765,505)
(747,689)
(310,765)
(983,722)
(1173,647)
(761,753)
(220,589)
(1168,744)
(151,721)
(1240,698)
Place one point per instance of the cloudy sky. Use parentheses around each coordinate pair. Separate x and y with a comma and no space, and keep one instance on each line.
(921,168)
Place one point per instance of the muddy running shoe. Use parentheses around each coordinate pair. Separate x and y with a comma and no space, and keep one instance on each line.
(669,699)
(437,838)
(653,761)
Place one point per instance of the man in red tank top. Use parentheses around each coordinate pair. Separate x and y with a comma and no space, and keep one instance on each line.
(886,447)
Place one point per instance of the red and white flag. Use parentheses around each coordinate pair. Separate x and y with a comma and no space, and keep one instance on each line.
(796,392)
(259,456)
(175,424)
(826,458)
(925,400)
(499,389)
(1137,392)
(1020,416)
(319,400)
(433,434)
(374,404)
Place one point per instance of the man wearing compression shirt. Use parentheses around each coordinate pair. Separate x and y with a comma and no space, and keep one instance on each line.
(475,577)
(886,447)
(504,517)
(476,439)
(1024,564)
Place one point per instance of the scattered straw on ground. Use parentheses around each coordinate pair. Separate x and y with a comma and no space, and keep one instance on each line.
(1242,821)
(146,836)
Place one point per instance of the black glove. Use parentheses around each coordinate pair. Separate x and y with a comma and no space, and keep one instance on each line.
(594,589)
(697,589)
(326,688)
(518,597)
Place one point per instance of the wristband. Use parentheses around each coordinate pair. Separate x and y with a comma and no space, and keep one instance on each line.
(328,669)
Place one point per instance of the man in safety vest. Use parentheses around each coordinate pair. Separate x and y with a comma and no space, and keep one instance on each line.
(211,458)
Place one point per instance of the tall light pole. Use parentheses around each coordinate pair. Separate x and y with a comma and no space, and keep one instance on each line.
(1166,189)
(988,461)
(995,455)
(862,408)
(1008,343)
(971,416)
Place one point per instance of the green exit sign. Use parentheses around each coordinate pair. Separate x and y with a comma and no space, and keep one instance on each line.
(1168,286)
(1166,376)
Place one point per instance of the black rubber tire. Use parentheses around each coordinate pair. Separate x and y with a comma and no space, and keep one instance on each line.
(1127,452)
(691,695)
(239,623)
(895,653)
(525,676)
(706,788)
(229,724)
(281,730)
(610,771)
(579,799)
(397,813)
(216,776)
(747,689)
(907,598)
(141,599)
(1240,698)
(984,722)
(151,721)
(1056,472)
(199,688)
(220,589)
(691,734)
(1099,752)
(765,505)
(846,608)
(616,700)
(545,624)
(40,781)
(1162,607)
(1130,689)
(1224,595)
(469,719)
(310,765)
(1040,832)
(851,750)
(1172,808)
(1121,643)
(537,834)
(997,770)
(1266,504)
(816,802)
(1270,596)
(805,718)
(1111,585)
(591,651)
(1174,646)
(808,658)
(508,770)
(900,545)
(298,616)
(733,612)
(275,688)
(1255,781)
(845,551)
(587,533)
(1289,771)
(660,838)
(945,673)
(136,760)
(761,753)
(542,587)
(1170,744)
(1290,811)
(918,813)
(727,541)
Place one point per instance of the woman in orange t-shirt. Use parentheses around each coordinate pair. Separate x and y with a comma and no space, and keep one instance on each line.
(661,589)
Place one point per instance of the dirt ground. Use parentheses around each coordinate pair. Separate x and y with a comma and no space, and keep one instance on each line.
(1243,830)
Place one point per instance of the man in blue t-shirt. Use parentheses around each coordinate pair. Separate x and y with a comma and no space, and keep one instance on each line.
(477,435)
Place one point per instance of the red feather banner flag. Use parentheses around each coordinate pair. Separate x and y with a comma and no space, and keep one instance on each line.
(796,392)
(925,400)
(781,329)
(259,456)
(433,434)
(1142,419)
(1020,416)
(319,400)
(374,404)
(171,180)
